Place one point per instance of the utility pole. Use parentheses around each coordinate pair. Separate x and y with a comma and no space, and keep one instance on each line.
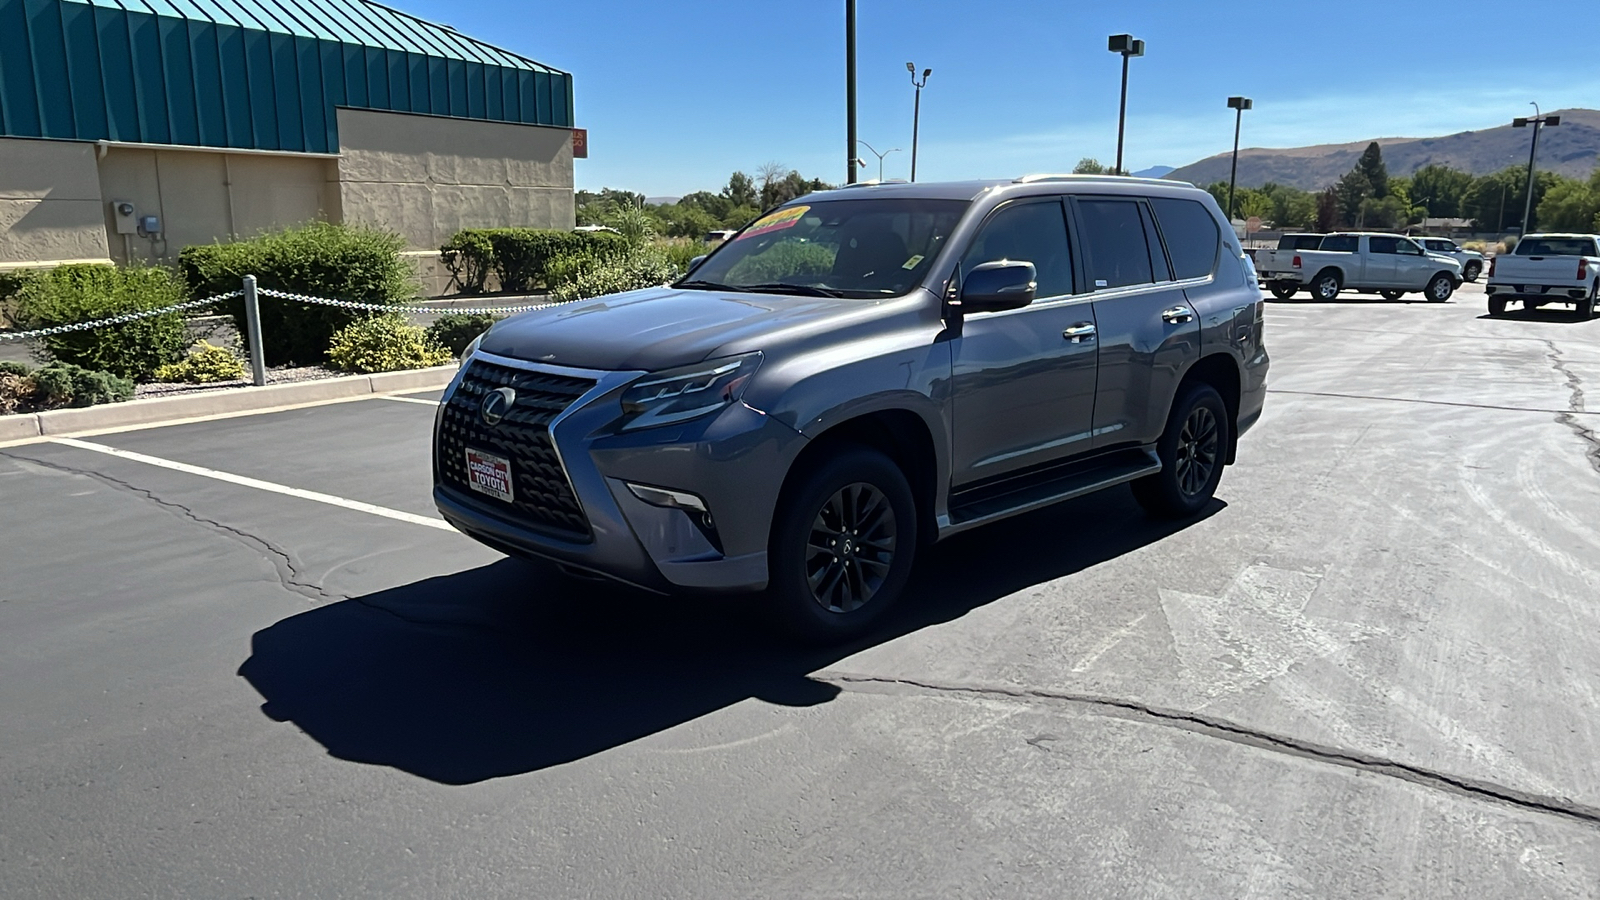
(916,112)
(850,88)
(1538,122)
(1129,47)
(1238,105)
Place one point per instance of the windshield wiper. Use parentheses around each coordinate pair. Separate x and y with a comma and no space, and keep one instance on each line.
(711,286)
(804,289)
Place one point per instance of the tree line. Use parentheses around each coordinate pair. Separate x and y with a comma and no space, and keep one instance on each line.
(1369,197)
(739,202)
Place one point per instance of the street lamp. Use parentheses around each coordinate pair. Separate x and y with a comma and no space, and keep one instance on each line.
(880,156)
(916,114)
(1129,47)
(850,89)
(1238,105)
(1539,121)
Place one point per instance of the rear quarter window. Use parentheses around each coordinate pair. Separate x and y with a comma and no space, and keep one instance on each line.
(1341,243)
(1193,239)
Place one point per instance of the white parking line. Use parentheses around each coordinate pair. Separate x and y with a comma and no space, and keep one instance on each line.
(258,484)
(408,399)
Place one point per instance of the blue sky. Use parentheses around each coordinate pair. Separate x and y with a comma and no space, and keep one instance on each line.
(677,95)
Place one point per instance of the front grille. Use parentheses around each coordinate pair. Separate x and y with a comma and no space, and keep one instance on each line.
(541,494)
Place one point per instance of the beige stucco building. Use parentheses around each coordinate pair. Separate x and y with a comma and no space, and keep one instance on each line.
(422,132)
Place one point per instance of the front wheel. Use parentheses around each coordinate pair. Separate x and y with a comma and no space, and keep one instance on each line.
(1192,451)
(1392,295)
(1283,290)
(1472,271)
(842,545)
(1440,288)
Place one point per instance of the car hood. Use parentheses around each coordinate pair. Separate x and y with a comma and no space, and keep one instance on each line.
(657,328)
(1441,258)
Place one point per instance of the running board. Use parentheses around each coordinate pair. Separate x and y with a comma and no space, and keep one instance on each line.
(1019,494)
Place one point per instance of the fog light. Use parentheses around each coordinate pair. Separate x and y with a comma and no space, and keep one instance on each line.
(670,499)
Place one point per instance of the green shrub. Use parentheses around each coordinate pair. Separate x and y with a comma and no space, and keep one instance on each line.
(783,261)
(470,258)
(386,343)
(82,293)
(10,285)
(641,269)
(457,330)
(7,367)
(522,256)
(63,384)
(681,252)
(322,260)
(204,364)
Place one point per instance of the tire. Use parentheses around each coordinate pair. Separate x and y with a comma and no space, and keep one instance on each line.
(1439,288)
(1497,306)
(1284,290)
(818,590)
(1193,450)
(1391,295)
(1586,306)
(1472,270)
(1326,286)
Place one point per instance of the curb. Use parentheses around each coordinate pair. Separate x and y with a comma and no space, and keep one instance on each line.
(215,403)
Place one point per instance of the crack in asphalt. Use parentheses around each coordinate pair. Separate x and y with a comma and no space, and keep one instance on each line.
(282,562)
(1343,396)
(1222,729)
(1575,405)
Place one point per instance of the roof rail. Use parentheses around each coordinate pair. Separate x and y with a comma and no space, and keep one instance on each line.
(1041,177)
(872,183)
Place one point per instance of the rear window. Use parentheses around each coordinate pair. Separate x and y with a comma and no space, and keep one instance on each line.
(1340,243)
(1191,234)
(1557,247)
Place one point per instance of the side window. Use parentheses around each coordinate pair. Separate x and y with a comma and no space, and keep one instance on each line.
(1341,243)
(1114,245)
(1407,248)
(1386,245)
(1193,239)
(1027,232)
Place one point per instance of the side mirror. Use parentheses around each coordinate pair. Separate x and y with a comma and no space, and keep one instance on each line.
(994,286)
(695,263)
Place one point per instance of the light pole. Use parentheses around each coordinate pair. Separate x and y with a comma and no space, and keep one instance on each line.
(916,112)
(850,89)
(880,156)
(1238,105)
(1539,121)
(1129,47)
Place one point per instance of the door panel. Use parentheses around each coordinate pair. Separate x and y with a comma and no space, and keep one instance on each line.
(1023,387)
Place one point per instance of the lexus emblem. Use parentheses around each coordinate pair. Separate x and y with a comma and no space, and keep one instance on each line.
(496,404)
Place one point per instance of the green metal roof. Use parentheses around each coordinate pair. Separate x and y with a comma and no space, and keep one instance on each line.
(255,74)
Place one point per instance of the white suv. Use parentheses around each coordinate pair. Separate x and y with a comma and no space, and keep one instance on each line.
(1471,261)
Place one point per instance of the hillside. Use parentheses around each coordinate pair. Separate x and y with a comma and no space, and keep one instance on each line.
(1570,149)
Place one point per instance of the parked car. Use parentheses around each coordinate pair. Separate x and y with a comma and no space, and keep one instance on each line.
(1547,268)
(1472,262)
(856,375)
(1386,264)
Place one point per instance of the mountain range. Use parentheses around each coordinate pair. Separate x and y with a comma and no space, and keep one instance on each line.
(1570,149)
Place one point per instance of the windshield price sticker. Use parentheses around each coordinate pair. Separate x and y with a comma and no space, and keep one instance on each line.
(778,221)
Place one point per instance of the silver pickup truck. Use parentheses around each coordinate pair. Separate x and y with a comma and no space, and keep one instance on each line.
(1547,268)
(1386,264)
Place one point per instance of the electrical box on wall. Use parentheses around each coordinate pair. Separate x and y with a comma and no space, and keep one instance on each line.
(122,213)
(150,225)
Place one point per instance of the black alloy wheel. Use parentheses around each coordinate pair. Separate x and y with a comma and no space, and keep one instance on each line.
(1440,288)
(1472,271)
(1283,290)
(843,543)
(1193,451)
(1327,287)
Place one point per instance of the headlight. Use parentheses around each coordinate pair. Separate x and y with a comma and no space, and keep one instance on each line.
(471,348)
(678,395)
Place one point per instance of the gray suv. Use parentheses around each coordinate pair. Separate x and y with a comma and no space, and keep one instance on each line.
(856,375)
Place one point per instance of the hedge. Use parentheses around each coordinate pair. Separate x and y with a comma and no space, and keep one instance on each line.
(520,257)
(81,293)
(340,262)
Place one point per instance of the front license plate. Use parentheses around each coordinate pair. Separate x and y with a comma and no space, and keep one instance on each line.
(489,474)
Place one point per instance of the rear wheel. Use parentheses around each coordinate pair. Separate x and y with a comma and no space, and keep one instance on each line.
(1283,290)
(1586,306)
(1497,306)
(1392,295)
(1326,286)
(1440,288)
(1192,451)
(1472,270)
(842,546)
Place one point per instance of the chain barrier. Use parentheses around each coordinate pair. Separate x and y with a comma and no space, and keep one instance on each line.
(122,319)
(125,318)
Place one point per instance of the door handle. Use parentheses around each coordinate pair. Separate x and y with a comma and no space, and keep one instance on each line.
(1081,333)
(1177,315)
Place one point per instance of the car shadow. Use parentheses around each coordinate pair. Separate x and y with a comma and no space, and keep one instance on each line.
(1544,314)
(510,668)
(1346,300)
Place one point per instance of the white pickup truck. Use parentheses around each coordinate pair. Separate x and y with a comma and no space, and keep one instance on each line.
(1387,264)
(1547,268)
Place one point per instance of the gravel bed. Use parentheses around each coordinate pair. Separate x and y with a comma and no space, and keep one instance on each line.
(283,375)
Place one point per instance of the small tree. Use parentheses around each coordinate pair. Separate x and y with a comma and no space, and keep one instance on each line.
(1090,166)
(1377,174)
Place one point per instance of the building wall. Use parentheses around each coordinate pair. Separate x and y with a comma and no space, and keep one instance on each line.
(428,177)
(203,196)
(50,207)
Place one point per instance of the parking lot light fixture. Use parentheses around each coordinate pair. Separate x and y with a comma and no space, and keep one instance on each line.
(1538,121)
(916,112)
(1238,105)
(1129,46)
(874,151)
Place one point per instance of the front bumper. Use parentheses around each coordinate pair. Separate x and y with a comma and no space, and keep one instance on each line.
(734,460)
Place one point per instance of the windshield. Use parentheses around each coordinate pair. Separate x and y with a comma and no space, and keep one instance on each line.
(866,248)
(1556,247)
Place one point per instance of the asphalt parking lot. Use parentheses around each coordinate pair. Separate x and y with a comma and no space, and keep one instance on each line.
(243,658)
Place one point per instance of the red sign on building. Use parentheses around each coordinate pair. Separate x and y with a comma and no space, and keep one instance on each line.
(580,143)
